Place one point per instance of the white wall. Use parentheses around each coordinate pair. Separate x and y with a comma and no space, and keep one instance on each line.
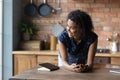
(1,39)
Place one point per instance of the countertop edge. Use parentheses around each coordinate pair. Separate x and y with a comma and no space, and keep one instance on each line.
(55,52)
(45,52)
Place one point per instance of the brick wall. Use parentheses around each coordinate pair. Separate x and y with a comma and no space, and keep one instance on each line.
(105,15)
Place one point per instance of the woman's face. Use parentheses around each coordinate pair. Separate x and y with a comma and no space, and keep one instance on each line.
(73,29)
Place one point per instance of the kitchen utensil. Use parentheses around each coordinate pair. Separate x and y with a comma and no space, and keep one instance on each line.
(58,10)
(53,10)
(30,9)
(58,28)
(44,9)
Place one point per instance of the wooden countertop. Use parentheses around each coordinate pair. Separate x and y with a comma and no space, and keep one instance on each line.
(62,74)
(48,52)
(108,54)
(44,52)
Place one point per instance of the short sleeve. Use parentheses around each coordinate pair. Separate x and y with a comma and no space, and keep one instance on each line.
(92,39)
(63,37)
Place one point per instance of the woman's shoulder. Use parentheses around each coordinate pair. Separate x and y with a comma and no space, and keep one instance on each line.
(63,37)
(63,34)
(92,36)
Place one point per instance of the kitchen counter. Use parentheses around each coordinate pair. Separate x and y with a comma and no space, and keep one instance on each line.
(62,74)
(48,52)
(30,59)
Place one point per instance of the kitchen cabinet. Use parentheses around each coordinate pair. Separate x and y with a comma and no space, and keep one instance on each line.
(114,57)
(23,62)
(115,60)
(47,58)
(105,60)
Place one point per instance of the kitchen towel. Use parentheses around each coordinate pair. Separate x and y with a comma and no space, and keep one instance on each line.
(58,28)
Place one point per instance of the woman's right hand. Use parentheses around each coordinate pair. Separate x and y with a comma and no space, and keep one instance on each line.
(72,67)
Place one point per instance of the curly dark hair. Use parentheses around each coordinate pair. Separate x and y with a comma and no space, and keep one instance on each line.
(82,19)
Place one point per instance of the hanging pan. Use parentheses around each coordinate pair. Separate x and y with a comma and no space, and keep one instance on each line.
(44,9)
(30,9)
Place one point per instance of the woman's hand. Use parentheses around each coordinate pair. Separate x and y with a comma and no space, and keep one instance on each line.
(79,68)
(82,68)
(72,67)
(75,68)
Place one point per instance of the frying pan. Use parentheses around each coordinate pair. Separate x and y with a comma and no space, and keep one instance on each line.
(44,9)
(30,9)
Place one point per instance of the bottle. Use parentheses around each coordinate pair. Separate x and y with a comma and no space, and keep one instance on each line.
(46,42)
(41,45)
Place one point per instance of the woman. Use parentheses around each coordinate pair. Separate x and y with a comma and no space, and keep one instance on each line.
(78,43)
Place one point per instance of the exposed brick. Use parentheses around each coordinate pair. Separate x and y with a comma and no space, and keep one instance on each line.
(96,19)
(88,1)
(110,15)
(82,5)
(113,5)
(97,5)
(114,1)
(71,1)
(71,9)
(115,10)
(102,12)
(119,15)
(88,10)
(116,19)
(70,5)
(64,15)
(102,1)
(97,28)
(100,15)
